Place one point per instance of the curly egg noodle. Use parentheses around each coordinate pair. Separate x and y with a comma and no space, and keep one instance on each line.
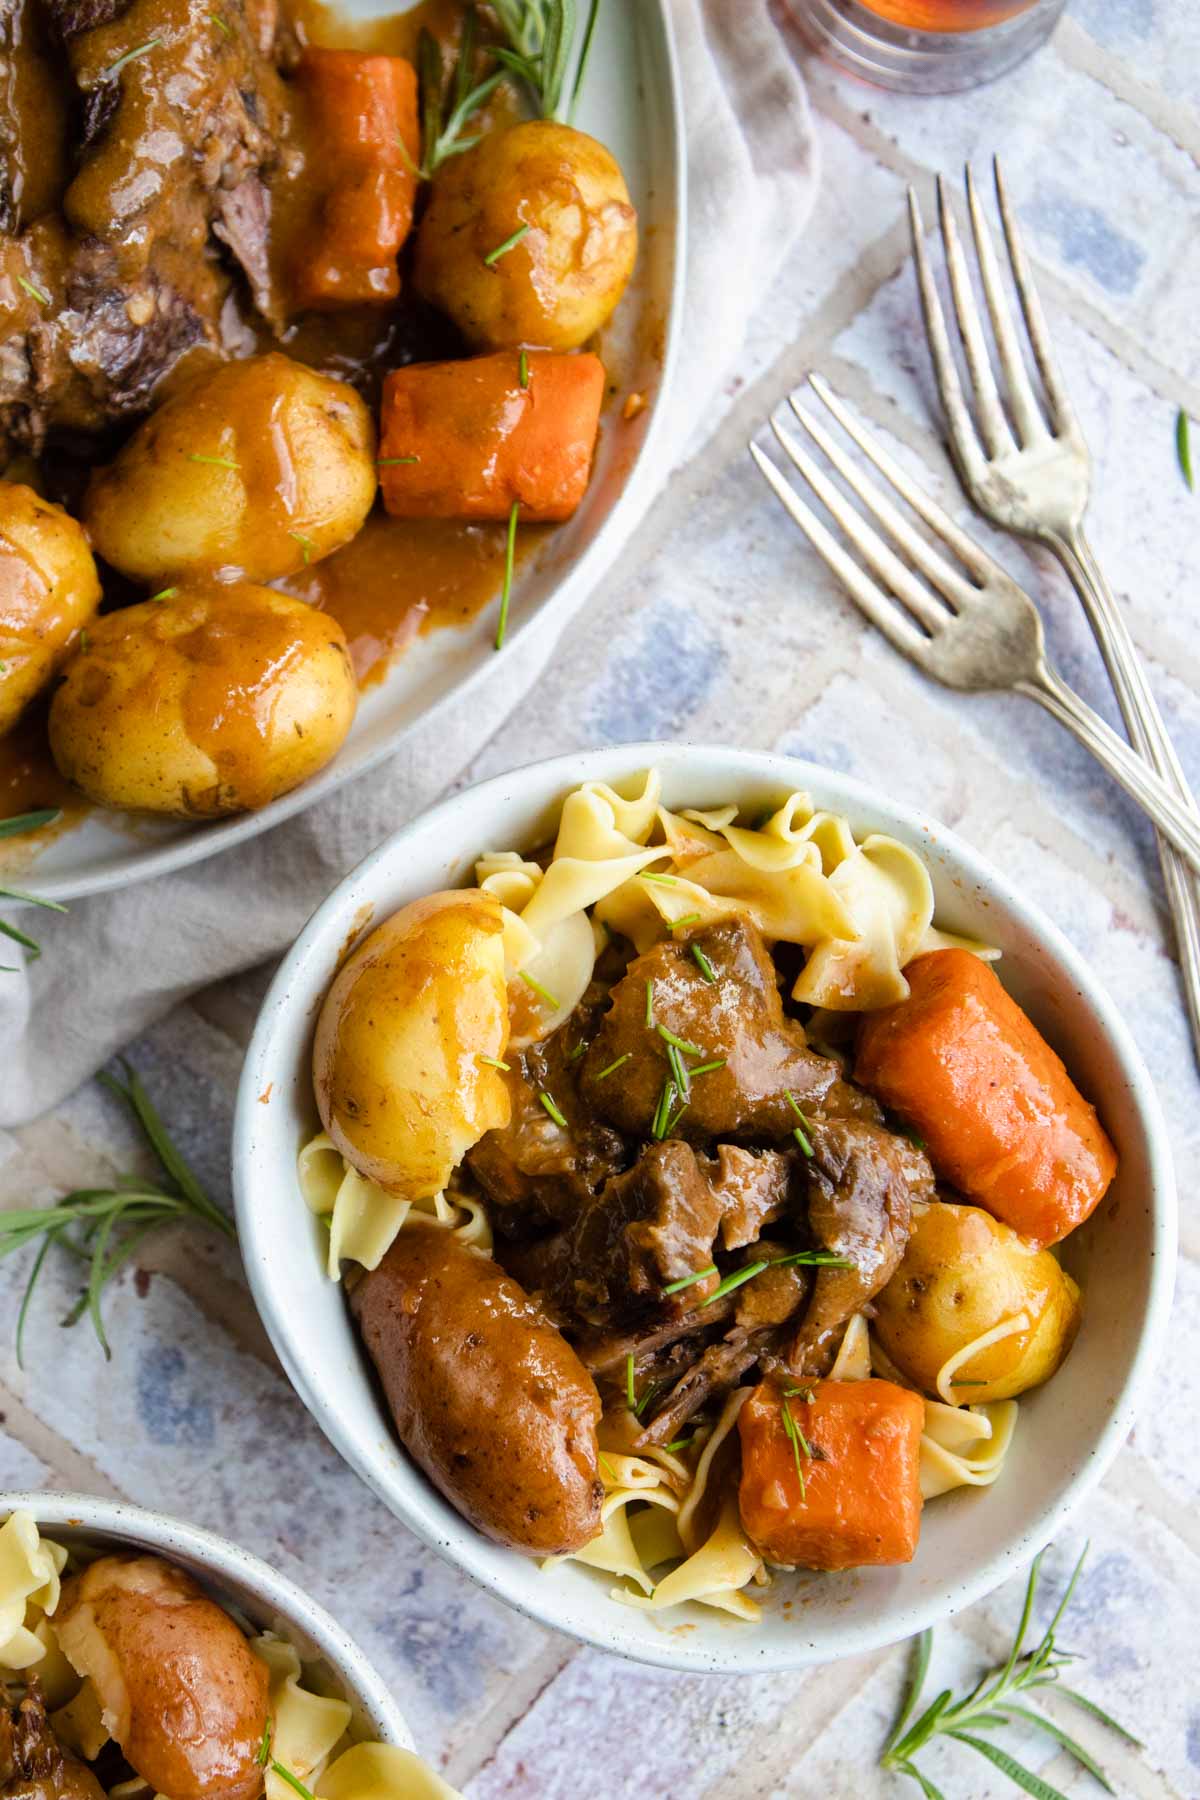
(670,1526)
(309,1729)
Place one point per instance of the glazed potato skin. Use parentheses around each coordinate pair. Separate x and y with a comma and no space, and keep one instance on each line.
(559,285)
(182,1692)
(962,1273)
(256,468)
(397,1068)
(487,1395)
(49,590)
(214,700)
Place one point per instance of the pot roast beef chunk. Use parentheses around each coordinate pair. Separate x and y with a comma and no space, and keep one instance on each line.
(752,1189)
(33,1764)
(647,1228)
(533,1173)
(737,1018)
(862,1182)
(104,296)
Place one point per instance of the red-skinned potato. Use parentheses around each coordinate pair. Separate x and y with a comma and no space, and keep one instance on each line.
(181,1691)
(398,1064)
(487,1395)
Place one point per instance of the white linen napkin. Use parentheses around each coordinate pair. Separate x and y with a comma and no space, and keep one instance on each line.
(119,961)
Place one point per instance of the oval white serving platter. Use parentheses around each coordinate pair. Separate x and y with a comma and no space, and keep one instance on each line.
(630,99)
(1069,1431)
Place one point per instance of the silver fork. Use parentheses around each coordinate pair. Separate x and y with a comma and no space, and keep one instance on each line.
(1030,473)
(973,630)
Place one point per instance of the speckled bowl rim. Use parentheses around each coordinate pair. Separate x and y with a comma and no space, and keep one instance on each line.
(278,1603)
(288,1015)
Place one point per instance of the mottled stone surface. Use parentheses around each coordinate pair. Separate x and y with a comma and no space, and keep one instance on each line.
(719,625)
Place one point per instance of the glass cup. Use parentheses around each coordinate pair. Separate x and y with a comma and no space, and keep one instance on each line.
(926,46)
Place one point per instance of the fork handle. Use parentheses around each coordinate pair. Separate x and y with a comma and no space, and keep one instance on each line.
(1176,820)
(1148,734)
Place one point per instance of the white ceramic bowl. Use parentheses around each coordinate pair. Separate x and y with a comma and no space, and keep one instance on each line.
(1069,1431)
(234,1578)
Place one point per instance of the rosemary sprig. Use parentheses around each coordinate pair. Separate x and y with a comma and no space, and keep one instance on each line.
(678,1043)
(662,1113)
(799,1443)
(446,110)
(541,35)
(110,1223)
(800,1132)
(542,993)
(1183,448)
(612,1066)
(264,1749)
(687,919)
(992,1702)
(813,1259)
(293,1781)
(14,827)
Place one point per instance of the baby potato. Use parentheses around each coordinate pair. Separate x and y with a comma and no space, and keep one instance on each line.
(256,468)
(213,699)
(964,1272)
(558,284)
(49,590)
(181,1691)
(398,1064)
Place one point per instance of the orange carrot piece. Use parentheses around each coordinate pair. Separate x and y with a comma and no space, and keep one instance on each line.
(856,1499)
(480,441)
(1002,1120)
(361,125)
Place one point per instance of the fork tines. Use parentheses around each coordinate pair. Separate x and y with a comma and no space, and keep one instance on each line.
(1026,424)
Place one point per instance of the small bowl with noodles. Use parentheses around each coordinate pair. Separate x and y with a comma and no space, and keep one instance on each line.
(706,1202)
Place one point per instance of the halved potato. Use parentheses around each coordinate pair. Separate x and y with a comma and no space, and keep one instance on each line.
(965,1274)
(399,1066)
(179,1687)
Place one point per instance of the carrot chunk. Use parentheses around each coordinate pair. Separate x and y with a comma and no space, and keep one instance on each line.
(361,125)
(467,440)
(1001,1118)
(840,1486)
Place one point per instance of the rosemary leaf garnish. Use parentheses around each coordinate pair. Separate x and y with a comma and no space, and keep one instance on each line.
(661,880)
(738,1279)
(799,1133)
(613,1066)
(30,821)
(678,1043)
(110,1223)
(679,1072)
(542,993)
(264,1749)
(577,1052)
(799,1445)
(510,555)
(510,243)
(306,545)
(654,1388)
(446,111)
(547,1101)
(718,1062)
(687,1281)
(687,919)
(115,68)
(14,827)
(493,1062)
(677,1444)
(165,593)
(215,462)
(673,1121)
(394,462)
(662,1112)
(523,370)
(540,36)
(703,964)
(650,1003)
(1183,448)
(585,52)
(34,292)
(220,24)
(293,1781)
(992,1702)
(630,1389)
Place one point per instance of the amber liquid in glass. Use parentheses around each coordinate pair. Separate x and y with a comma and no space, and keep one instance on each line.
(948,15)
